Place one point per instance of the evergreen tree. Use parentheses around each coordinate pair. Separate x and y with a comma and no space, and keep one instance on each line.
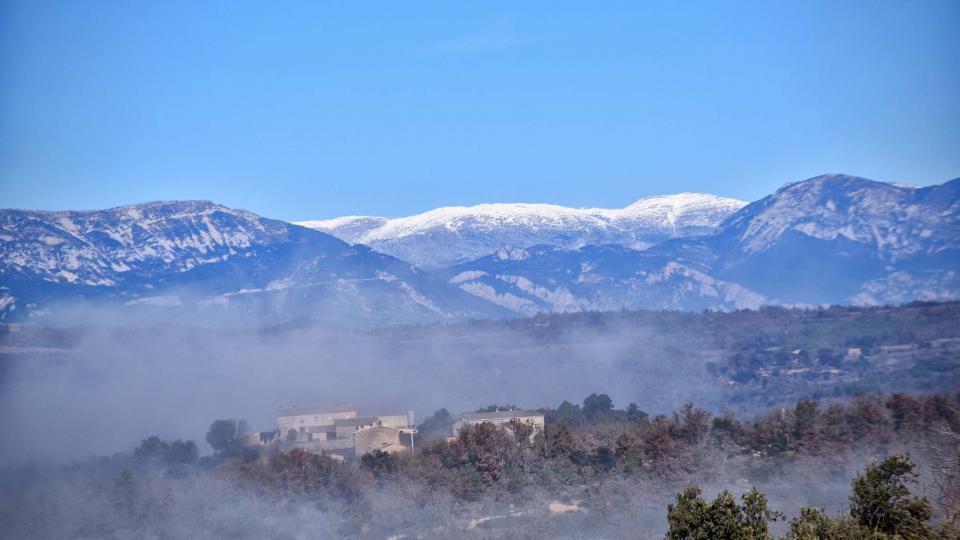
(881,501)
(695,518)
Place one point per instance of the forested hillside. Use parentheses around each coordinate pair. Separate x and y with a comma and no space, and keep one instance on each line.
(756,357)
(595,471)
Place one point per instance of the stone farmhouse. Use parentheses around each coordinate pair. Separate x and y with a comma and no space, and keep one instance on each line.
(337,430)
(500,418)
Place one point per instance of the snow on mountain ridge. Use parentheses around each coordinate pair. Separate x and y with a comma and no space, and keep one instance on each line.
(198,255)
(669,207)
(828,239)
(894,219)
(94,247)
(456,233)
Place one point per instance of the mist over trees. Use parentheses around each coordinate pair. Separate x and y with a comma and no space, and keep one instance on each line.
(802,472)
(881,507)
(643,405)
(126,379)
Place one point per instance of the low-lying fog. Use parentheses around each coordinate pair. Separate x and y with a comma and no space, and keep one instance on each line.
(123,379)
(102,381)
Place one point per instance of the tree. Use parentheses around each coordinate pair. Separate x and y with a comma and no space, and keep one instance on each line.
(805,418)
(692,423)
(302,472)
(629,452)
(439,424)
(151,449)
(635,414)
(945,469)
(522,432)
(379,463)
(222,435)
(604,459)
(182,452)
(597,406)
(695,518)
(558,440)
(727,427)
(814,524)
(881,508)
(569,413)
(154,450)
(904,409)
(881,501)
(496,408)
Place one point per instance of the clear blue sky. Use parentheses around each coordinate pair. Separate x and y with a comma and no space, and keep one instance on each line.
(318,109)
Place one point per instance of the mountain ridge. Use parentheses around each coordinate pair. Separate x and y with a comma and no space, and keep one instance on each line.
(208,255)
(831,239)
(453,234)
(828,239)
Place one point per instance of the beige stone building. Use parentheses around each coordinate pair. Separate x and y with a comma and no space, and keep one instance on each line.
(313,423)
(337,429)
(500,418)
(384,439)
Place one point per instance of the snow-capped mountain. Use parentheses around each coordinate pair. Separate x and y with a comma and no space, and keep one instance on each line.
(452,235)
(895,222)
(103,248)
(843,239)
(831,239)
(205,255)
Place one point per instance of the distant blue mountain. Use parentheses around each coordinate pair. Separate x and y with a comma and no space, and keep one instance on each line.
(842,239)
(833,239)
(203,256)
(608,277)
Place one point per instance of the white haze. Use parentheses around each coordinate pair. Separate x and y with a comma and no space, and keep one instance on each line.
(134,374)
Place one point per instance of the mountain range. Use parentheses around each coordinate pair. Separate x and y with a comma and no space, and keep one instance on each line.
(457,234)
(833,239)
(203,256)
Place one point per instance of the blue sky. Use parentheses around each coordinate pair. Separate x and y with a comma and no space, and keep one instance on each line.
(316,109)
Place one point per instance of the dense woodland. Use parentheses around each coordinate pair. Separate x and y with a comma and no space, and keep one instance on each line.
(591,455)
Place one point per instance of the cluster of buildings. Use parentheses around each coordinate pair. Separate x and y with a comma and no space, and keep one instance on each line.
(340,432)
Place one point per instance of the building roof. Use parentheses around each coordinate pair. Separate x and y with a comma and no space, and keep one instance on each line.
(499,415)
(378,429)
(318,409)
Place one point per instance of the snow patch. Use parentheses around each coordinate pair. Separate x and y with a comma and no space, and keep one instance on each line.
(507,300)
(512,254)
(156,301)
(468,275)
